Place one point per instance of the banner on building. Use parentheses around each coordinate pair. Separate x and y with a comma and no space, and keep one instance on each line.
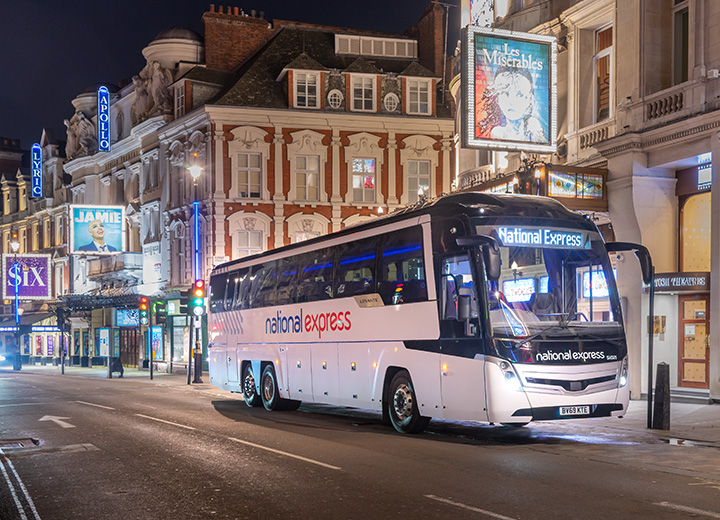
(97,230)
(476,12)
(30,272)
(510,90)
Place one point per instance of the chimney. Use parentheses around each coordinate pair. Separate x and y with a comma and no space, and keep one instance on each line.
(231,37)
(429,33)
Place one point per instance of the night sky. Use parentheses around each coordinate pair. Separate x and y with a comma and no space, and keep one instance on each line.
(52,51)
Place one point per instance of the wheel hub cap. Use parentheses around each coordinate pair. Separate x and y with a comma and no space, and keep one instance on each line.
(403,402)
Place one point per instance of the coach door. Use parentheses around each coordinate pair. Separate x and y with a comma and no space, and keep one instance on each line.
(694,342)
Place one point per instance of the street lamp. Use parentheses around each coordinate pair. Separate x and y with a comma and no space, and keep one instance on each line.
(15,245)
(195,172)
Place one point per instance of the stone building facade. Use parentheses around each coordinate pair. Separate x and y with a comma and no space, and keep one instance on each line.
(299,130)
(638,95)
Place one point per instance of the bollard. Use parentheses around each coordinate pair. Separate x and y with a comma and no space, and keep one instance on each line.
(661,409)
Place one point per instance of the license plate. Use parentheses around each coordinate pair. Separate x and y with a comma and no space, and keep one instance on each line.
(574,410)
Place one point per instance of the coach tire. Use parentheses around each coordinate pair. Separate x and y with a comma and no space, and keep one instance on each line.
(269,390)
(250,394)
(402,405)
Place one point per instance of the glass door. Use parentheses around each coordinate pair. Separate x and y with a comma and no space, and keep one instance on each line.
(694,342)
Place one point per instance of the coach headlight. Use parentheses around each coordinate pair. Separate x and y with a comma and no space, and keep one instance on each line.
(622,380)
(511,378)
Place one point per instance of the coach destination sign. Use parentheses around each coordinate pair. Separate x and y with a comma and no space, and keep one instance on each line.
(539,237)
(682,282)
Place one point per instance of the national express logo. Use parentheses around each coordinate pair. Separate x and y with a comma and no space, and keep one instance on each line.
(328,321)
(567,355)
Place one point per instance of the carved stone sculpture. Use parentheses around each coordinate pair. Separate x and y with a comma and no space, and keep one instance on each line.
(152,93)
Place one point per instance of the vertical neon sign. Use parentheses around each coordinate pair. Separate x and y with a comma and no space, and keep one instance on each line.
(36,159)
(103,97)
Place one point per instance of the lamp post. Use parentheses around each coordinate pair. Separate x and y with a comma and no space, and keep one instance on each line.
(195,172)
(15,245)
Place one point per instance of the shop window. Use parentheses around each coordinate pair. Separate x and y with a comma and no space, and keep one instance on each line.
(696,225)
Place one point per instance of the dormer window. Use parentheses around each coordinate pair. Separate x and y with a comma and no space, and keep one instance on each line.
(306,89)
(418,96)
(363,93)
(180,100)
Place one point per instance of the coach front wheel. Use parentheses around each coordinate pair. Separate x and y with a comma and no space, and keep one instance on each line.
(249,389)
(402,405)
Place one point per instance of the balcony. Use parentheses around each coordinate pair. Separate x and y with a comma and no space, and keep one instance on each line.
(124,266)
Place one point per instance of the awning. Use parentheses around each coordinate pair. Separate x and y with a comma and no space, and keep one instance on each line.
(28,318)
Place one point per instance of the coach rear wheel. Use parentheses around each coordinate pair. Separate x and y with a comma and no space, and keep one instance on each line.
(402,405)
(269,389)
(249,389)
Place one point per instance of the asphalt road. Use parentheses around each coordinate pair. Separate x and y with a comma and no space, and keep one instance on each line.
(84,448)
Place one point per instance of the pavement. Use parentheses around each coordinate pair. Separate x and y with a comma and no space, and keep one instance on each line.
(690,424)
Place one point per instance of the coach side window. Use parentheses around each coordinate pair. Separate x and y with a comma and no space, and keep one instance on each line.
(218,285)
(264,284)
(356,268)
(287,276)
(402,271)
(238,294)
(315,276)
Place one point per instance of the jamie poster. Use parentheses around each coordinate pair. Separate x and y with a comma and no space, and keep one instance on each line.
(97,230)
(511,89)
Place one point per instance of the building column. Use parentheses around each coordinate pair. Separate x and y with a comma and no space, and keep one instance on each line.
(336,198)
(643,210)
(392,200)
(446,171)
(714,311)
(279,197)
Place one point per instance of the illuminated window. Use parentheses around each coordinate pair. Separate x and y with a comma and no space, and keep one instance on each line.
(249,174)
(306,89)
(363,180)
(602,63)
(307,177)
(418,177)
(363,93)
(418,96)
(249,242)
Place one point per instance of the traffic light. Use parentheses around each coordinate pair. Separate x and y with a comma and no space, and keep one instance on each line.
(144,311)
(160,311)
(197,299)
(61,317)
(184,299)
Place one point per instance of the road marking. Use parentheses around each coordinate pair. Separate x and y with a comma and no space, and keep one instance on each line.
(470,508)
(686,509)
(57,420)
(286,454)
(21,510)
(20,404)
(164,421)
(93,404)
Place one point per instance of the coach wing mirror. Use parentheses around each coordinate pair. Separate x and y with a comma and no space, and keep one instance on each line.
(642,254)
(490,251)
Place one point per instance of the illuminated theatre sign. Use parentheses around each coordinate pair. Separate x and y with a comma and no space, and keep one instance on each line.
(542,237)
(36,171)
(510,90)
(103,97)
